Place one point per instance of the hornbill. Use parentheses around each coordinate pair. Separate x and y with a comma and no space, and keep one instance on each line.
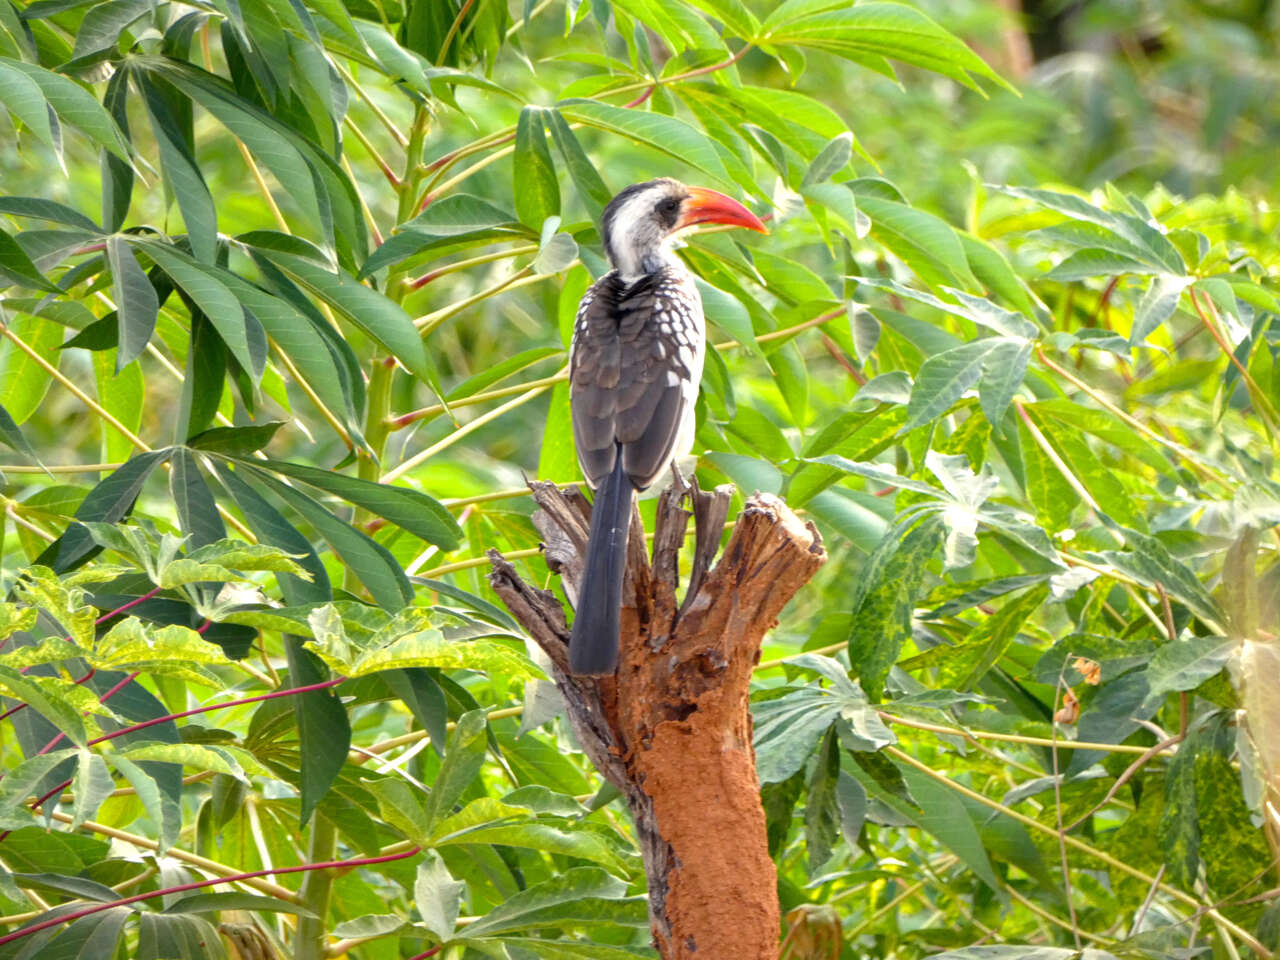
(634,368)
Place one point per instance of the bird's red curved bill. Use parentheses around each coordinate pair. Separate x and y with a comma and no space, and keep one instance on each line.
(711,206)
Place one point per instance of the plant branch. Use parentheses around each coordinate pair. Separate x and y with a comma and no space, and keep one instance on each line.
(1083,847)
(455,436)
(199,885)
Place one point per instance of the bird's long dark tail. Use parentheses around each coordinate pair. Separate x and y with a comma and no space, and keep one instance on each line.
(593,646)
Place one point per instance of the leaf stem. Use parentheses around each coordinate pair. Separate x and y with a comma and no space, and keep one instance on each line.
(79,394)
(1261,402)
(461,432)
(316,891)
(426,278)
(405,419)
(521,278)
(386,121)
(1194,459)
(199,885)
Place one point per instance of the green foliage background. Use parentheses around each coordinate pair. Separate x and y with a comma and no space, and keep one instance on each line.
(285,290)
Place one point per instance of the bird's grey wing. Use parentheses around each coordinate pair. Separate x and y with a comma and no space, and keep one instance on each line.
(593,375)
(661,336)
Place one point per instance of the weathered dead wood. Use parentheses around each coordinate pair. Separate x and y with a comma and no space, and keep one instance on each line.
(672,729)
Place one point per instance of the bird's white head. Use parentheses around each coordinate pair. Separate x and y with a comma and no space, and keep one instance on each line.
(640,220)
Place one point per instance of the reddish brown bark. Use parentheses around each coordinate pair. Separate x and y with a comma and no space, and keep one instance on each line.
(672,730)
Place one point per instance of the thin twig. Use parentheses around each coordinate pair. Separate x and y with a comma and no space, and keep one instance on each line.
(1057,804)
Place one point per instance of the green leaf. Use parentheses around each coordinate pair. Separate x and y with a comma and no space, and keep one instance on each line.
(533,836)
(463,759)
(1179,831)
(197,511)
(374,925)
(122,393)
(438,897)
(411,509)
(21,782)
(182,173)
(943,813)
(535,188)
(571,896)
(1156,306)
(1185,664)
(927,244)
(59,713)
(454,219)
(869,31)
(1149,562)
(891,583)
(728,314)
(789,727)
(557,460)
(213,902)
(236,441)
(12,437)
(382,319)
(164,810)
(24,99)
(313,178)
(74,105)
(557,251)
(91,785)
(23,382)
(137,305)
(131,641)
(591,188)
(969,661)
(17,268)
(89,937)
(835,156)
(101,29)
(369,560)
(193,756)
(56,883)
(1148,244)
(239,330)
(943,379)
(667,135)
(560,949)
(821,812)
(1003,370)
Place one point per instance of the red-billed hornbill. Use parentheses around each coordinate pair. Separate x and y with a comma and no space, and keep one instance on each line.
(634,369)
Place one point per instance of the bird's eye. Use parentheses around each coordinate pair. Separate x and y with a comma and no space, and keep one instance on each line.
(670,205)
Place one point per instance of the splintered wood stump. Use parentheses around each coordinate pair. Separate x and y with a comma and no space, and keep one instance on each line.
(672,730)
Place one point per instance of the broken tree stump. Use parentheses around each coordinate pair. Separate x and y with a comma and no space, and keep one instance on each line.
(672,729)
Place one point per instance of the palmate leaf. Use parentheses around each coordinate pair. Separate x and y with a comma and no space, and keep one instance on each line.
(313,178)
(788,728)
(411,509)
(382,319)
(869,32)
(376,568)
(455,219)
(579,895)
(668,135)
(1143,242)
(74,105)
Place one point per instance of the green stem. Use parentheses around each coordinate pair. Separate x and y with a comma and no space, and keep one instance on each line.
(317,888)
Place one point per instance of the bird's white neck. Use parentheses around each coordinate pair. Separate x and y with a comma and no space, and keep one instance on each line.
(633,264)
